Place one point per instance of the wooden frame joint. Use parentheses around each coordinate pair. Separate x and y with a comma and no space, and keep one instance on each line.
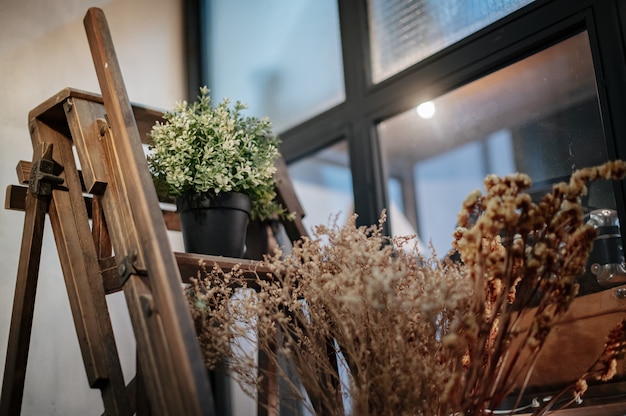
(44,174)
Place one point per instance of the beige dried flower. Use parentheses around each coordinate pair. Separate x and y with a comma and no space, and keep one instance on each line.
(350,314)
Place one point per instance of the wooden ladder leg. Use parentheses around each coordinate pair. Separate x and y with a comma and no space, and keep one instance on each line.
(25,290)
(141,394)
(161,318)
(83,279)
(91,139)
(268,398)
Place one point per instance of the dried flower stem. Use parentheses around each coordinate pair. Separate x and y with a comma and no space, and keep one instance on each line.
(373,327)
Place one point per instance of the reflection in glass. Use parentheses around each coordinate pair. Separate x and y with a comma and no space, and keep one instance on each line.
(323,183)
(405,32)
(539,116)
(282,58)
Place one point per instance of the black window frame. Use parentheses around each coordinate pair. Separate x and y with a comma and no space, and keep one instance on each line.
(518,35)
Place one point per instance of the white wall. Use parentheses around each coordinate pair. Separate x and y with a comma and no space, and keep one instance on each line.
(43,49)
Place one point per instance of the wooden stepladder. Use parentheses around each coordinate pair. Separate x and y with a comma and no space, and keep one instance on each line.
(125,248)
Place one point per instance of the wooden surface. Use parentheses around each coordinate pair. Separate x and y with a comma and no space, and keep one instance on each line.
(166,342)
(578,339)
(87,121)
(612,409)
(23,301)
(81,271)
(107,132)
(52,113)
(288,198)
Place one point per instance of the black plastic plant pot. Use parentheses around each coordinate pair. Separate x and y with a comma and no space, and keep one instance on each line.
(214,224)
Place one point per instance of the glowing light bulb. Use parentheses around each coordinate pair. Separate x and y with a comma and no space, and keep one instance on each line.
(426,110)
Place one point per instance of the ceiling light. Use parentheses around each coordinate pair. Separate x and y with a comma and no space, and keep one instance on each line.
(426,110)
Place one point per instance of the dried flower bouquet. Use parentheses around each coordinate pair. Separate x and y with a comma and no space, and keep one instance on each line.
(373,328)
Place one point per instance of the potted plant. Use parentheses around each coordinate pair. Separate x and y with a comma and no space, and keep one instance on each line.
(219,166)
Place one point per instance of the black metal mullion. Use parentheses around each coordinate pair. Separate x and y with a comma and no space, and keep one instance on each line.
(607,48)
(195,43)
(606,23)
(515,37)
(320,131)
(365,159)
(521,34)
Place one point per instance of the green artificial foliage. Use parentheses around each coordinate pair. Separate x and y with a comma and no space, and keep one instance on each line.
(201,148)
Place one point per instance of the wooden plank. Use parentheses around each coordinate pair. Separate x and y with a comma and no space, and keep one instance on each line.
(581,334)
(288,198)
(164,398)
(110,275)
(83,309)
(189,266)
(146,117)
(23,171)
(15,198)
(121,228)
(15,194)
(158,259)
(23,302)
(88,125)
(268,398)
(141,394)
(52,113)
(79,262)
(99,230)
(611,409)
(172,220)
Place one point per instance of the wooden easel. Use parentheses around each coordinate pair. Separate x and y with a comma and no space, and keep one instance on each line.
(126,248)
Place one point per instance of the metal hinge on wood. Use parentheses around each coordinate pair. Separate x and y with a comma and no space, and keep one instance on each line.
(43,175)
(127,267)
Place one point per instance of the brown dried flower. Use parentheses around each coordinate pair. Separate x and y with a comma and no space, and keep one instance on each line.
(534,252)
(364,322)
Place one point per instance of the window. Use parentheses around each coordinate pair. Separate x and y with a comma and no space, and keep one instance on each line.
(354,108)
(281,57)
(405,32)
(516,85)
(323,183)
(539,116)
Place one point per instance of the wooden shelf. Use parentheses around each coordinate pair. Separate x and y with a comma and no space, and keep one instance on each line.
(52,113)
(578,339)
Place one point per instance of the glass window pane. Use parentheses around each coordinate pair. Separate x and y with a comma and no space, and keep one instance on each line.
(405,32)
(539,116)
(323,183)
(281,57)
